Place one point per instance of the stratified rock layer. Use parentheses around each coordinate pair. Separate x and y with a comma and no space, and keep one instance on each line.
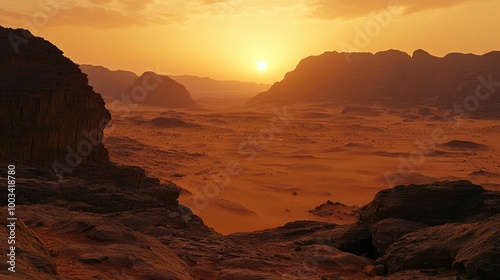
(46,104)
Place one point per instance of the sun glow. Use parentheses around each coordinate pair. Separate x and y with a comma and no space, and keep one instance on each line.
(262,66)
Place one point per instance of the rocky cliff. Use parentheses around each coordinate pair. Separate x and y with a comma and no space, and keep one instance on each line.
(48,109)
(393,78)
(46,104)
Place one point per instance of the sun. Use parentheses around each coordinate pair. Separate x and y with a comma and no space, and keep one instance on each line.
(262,66)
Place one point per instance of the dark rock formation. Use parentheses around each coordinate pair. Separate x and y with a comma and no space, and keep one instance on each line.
(441,225)
(388,231)
(392,78)
(110,84)
(471,248)
(434,204)
(48,109)
(159,91)
(46,104)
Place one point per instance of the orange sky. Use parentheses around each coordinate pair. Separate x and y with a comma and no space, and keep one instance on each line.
(226,39)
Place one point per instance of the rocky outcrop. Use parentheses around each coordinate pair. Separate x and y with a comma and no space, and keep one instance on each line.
(48,108)
(472,248)
(387,231)
(437,226)
(110,84)
(393,78)
(434,204)
(46,104)
(50,115)
(160,91)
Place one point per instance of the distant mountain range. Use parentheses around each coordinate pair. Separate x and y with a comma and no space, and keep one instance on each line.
(203,87)
(107,82)
(111,83)
(393,78)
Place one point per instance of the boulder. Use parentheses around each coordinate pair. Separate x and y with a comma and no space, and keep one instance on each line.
(431,204)
(472,248)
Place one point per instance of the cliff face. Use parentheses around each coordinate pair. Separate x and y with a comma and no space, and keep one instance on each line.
(159,91)
(391,78)
(49,114)
(45,102)
(46,107)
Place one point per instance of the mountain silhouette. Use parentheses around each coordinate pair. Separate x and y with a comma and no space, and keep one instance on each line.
(107,82)
(159,91)
(111,84)
(392,78)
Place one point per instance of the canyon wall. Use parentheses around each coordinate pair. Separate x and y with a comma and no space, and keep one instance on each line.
(46,104)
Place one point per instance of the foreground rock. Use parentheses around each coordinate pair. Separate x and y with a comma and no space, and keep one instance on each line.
(437,226)
(433,204)
(46,104)
(48,110)
(470,248)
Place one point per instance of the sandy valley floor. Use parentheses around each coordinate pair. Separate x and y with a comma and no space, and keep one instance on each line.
(247,169)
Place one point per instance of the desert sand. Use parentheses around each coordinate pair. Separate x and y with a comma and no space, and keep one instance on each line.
(244,170)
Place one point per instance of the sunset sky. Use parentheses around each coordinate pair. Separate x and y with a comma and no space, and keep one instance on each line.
(235,39)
